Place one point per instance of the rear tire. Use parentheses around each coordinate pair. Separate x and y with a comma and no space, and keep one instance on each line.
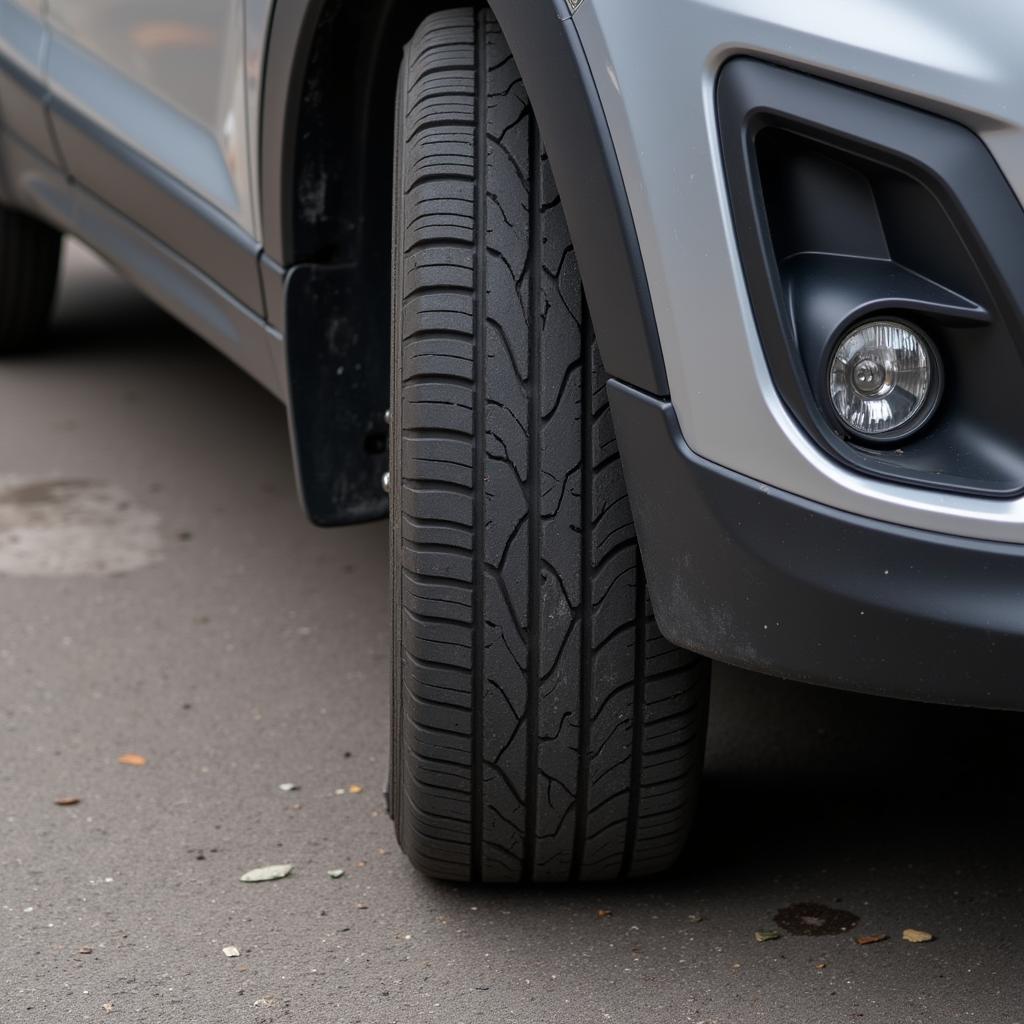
(543,729)
(29,258)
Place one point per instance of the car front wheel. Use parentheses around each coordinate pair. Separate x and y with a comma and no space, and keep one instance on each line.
(543,729)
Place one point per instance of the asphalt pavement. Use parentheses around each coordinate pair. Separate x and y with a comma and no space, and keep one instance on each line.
(162,596)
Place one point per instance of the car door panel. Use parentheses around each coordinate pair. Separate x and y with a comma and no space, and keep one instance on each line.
(141,121)
(103,143)
(159,203)
(167,80)
(22,89)
(151,159)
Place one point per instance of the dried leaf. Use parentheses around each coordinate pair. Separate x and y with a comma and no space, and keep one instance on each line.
(868,940)
(85,950)
(136,760)
(336,872)
(766,936)
(267,874)
(231,951)
(916,935)
(355,789)
(821,966)
(67,801)
(604,913)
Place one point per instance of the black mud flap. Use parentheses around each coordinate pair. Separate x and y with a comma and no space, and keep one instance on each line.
(338,396)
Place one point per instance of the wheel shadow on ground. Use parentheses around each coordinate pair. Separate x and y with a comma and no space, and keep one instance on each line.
(94,310)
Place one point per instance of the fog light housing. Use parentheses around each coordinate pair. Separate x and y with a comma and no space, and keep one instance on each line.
(884,380)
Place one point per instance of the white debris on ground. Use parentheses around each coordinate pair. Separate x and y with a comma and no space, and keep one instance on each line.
(267,874)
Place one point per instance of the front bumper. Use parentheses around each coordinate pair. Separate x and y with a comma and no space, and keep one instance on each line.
(762,548)
(656,73)
(744,572)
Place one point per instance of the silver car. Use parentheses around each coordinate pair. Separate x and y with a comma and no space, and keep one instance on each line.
(664,330)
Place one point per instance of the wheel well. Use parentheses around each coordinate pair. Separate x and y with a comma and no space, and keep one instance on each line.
(326,180)
(328,147)
(339,207)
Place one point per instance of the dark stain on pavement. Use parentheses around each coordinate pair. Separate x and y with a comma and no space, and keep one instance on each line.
(47,492)
(815,919)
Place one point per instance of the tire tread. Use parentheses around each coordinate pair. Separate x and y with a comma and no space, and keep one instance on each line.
(544,729)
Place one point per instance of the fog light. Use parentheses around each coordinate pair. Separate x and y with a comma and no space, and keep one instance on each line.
(884,380)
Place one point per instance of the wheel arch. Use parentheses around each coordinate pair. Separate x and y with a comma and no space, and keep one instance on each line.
(325,173)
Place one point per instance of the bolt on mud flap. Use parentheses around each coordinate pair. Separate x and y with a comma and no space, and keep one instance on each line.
(338,396)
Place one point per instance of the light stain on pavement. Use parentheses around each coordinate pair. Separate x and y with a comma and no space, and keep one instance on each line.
(61,528)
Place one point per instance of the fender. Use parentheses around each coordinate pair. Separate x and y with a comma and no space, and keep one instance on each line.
(548,51)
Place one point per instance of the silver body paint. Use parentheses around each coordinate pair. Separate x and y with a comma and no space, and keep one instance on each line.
(23,34)
(174,81)
(655,63)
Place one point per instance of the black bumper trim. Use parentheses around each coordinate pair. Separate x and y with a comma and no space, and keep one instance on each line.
(762,579)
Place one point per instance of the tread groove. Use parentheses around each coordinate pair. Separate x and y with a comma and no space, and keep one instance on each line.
(583,777)
(534,577)
(480,452)
(639,693)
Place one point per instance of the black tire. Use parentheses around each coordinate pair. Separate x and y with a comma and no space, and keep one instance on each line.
(542,729)
(29,258)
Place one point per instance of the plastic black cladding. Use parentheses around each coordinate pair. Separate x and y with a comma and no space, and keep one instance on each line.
(762,579)
(339,433)
(842,197)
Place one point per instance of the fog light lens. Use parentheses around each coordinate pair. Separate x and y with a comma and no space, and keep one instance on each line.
(884,379)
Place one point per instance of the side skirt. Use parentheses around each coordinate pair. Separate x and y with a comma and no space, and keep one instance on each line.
(174,284)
